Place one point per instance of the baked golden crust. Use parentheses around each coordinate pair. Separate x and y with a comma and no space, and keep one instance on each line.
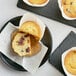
(37,1)
(69,8)
(35,46)
(70,62)
(31,28)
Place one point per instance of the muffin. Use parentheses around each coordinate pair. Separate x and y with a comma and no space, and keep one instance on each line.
(37,1)
(31,28)
(24,44)
(69,8)
(70,62)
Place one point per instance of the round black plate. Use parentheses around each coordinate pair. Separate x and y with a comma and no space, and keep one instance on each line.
(47,40)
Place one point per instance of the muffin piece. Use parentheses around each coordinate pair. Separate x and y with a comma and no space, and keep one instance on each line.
(35,46)
(24,44)
(69,8)
(37,1)
(31,28)
(21,44)
(70,62)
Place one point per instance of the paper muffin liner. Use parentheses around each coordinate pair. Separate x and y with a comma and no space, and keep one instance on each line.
(62,12)
(31,64)
(31,17)
(62,59)
(36,5)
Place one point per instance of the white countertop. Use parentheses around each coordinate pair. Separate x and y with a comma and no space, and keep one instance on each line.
(8,10)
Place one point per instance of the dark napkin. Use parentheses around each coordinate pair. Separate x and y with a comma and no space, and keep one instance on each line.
(51,10)
(55,57)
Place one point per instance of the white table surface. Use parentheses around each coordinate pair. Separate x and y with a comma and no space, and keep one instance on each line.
(59,31)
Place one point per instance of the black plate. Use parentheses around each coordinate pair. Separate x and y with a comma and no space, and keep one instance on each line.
(47,40)
(51,10)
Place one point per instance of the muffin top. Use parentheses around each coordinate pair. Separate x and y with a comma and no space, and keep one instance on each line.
(37,1)
(69,8)
(31,28)
(70,62)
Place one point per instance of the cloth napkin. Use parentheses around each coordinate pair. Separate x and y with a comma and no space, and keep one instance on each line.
(31,64)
